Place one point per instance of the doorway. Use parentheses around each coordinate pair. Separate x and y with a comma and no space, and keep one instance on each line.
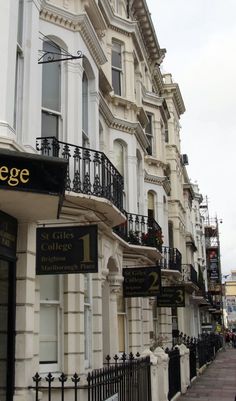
(7,329)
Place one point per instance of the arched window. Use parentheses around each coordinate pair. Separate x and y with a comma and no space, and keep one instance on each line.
(121,164)
(51,93)
(139,171)
(85,110)
(151,205)
(119,159)
(171,234)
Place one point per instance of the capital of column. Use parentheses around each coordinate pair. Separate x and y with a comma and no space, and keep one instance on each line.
(115,282)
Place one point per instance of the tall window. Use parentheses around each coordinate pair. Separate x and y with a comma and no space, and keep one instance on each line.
(85,110)
(171,234)
(51,93)
(19,70)
(116,68)
(151,205)
(120,164)
(50,323)
(87,320)
(149,134)
(122,324)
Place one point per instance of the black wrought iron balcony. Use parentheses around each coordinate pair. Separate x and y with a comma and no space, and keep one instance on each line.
(89,171)
(171,260)
(189,274)
(201,289)
(140,230)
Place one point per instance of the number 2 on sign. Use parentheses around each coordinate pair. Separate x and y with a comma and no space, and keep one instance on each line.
(86,246)
(155,285)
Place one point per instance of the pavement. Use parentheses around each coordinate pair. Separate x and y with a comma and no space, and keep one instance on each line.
(217,382)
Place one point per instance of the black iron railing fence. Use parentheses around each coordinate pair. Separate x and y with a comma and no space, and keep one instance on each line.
(189,274)
(174,372)
(127,377)
(89,171)
(140,230)
(202,349)
(171,259)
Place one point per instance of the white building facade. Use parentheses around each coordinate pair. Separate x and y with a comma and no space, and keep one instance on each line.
(110,117)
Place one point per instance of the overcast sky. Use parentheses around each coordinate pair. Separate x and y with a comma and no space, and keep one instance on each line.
(200,39)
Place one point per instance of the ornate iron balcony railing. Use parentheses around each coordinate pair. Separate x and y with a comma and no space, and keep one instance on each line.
(189,274)
(140,230)
(171,260)
(89,171)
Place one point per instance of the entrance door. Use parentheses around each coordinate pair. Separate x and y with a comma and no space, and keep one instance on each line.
(7,329)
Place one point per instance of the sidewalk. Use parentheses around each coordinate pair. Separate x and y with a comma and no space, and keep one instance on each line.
(218,382)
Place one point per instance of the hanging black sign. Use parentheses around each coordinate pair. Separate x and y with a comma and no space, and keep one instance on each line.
(8,234)
(32,173)
(63,250)
(172,297)
(142,281)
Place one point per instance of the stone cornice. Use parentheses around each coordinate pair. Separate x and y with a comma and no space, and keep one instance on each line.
(172,90)
(76,23)
(152,99)
(133,28)
(95,15)
(154,179)
(122,125)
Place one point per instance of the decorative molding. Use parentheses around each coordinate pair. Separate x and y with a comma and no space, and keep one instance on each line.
(76,23)
(172,90)
(122,125)
(154,179)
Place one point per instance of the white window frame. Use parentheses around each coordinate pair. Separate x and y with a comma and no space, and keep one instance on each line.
(125,320)
(88,328)
(56,113)
(149,135)
(116,68)
(55,367)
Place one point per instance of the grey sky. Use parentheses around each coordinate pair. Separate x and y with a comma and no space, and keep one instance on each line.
(200,39)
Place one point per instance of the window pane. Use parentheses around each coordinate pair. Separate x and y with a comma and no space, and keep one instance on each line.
(20,22)
(51,85)
(87,332)
(119,157)
(85,104)
(48,333)
(49,288)
(48,352)
(49,124)
(116,82)
(116,55)
(121,332)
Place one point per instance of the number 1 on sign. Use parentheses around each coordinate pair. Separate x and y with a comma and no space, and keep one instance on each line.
(86,246)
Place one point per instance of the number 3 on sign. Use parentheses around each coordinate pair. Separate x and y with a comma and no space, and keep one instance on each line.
(86,246)
(180,297)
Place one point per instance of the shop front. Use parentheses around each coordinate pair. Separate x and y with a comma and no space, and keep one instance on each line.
(31,189)
(8,236)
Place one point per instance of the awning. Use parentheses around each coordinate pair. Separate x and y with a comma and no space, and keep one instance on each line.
(31,186)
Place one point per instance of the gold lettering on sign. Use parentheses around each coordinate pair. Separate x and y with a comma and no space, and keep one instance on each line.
(14,176)
(86,243)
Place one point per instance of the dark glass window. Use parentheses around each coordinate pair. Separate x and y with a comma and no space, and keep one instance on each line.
(149,134)
(116,68)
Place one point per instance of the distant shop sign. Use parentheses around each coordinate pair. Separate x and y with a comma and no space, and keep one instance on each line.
(64,250)
(142,281)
